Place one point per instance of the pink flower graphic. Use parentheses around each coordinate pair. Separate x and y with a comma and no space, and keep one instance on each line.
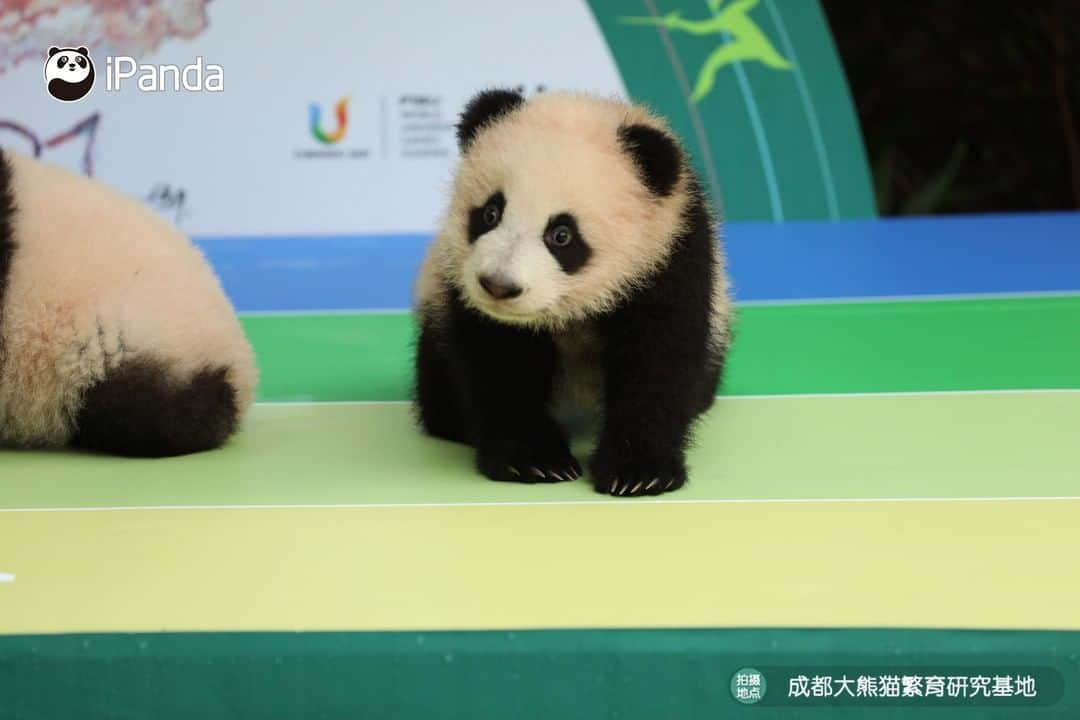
(115,27)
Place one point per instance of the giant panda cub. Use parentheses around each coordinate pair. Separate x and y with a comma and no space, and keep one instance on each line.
(576,273)
(115,335)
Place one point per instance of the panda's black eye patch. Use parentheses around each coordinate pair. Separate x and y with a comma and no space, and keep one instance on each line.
(486,217)
(61,61)
(565,243)
(81,61)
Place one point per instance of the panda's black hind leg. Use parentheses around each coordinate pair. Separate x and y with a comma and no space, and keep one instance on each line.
(141,409)
(435,397)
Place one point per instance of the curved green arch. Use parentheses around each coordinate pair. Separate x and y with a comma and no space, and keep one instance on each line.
(757,91)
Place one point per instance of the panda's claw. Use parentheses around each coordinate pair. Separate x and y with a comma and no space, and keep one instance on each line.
(527,463)
(615,472)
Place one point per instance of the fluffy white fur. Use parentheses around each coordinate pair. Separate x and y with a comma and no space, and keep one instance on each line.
(97,277)
(559,151)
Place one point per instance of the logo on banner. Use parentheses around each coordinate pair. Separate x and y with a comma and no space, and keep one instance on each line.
(739,39)
(341,114)
(69,73)
(327,134)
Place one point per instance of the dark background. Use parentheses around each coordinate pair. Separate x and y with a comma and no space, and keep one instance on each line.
(965,105)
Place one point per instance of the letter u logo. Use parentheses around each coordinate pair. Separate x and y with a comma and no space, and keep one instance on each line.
(329,138)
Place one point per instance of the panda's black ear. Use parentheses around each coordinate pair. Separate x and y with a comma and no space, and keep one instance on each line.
(53,50)
(83,51)
(656,155)
(485,106)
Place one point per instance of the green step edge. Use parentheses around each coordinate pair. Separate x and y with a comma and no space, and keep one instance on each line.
(859,347)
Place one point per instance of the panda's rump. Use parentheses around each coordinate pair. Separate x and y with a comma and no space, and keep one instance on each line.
(57,349)
(96,285)
(48,360)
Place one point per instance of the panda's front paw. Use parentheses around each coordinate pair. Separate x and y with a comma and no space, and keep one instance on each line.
(535,462)
(630,476)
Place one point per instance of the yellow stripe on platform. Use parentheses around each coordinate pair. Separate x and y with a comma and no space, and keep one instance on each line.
(959,564)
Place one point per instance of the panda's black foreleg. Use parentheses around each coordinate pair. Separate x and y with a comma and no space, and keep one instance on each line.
(655,366)
(505,374)
(436,397)
(652,395)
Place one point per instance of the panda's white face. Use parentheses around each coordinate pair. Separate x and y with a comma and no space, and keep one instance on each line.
(68,65)
(550,222)
(523,258)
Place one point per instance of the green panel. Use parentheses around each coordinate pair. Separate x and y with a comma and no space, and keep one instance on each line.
(546,674)
(757,91)
(364,356)
(843,347)
(871,447)
(908,346)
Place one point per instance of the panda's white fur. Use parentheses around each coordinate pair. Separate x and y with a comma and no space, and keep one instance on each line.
(647,312)
(560,150)
(97,281)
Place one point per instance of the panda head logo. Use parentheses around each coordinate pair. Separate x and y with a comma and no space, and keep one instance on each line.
(69,73)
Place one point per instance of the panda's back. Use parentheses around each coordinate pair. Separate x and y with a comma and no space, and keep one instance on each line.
(83,243)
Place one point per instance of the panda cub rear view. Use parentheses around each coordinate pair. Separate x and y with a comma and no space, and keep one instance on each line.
(577,273)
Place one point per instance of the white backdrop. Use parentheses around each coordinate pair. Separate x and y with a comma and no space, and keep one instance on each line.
(246,160)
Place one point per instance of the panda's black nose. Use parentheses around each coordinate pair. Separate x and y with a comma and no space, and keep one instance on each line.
(498,288)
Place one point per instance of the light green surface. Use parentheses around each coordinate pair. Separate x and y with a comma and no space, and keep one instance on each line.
(821,348)
(906,446)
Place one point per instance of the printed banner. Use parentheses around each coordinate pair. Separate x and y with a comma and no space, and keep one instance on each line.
(286,118)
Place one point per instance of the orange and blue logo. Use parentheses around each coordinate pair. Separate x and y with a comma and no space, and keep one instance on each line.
(340,111)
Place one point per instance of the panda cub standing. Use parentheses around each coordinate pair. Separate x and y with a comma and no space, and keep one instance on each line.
(577,272)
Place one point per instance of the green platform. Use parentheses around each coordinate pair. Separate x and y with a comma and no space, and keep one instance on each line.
(887,486)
